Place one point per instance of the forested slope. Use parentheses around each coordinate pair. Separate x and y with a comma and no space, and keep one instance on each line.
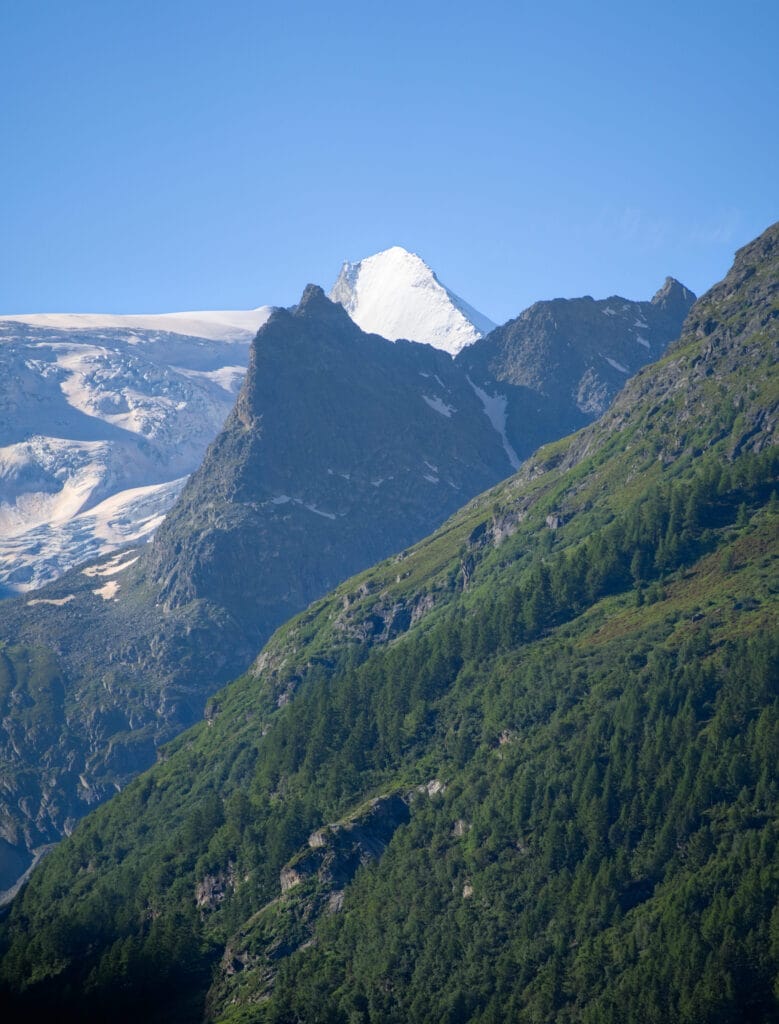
(525,770)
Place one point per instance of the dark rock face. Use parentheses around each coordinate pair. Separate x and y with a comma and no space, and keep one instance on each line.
(673,299)
(737,319)
(341,449)
(336,851)
(312,885)
(560,362)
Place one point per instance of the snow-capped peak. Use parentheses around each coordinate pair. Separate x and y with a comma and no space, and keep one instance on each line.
(395,294)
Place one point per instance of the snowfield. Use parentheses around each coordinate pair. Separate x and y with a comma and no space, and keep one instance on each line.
(215,325)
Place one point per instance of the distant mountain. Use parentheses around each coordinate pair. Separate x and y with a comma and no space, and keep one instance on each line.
(102,417)
(395,294)
(524,770)
(565,359)
(341,449)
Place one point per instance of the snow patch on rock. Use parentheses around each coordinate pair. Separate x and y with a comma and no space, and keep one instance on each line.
(108,591)
(495,410)
(111,568)
(616,365)
(439,406)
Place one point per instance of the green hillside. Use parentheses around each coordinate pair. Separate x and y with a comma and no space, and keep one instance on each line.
(525,770)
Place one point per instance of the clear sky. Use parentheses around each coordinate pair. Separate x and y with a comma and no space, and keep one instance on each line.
(177,154)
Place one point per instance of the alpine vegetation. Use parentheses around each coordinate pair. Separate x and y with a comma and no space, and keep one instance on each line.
(522,769)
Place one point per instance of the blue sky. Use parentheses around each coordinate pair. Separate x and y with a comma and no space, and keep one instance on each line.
(175,155)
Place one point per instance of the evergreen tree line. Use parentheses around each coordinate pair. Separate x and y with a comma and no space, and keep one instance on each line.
(612,795)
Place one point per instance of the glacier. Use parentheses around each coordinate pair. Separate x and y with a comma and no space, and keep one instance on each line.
(102,418)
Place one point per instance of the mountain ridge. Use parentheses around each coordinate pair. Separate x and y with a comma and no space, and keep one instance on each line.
(97,407)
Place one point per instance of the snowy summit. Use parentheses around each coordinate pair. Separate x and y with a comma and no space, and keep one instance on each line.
(395,294)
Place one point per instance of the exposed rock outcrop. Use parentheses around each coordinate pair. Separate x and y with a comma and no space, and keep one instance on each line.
(312,884)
